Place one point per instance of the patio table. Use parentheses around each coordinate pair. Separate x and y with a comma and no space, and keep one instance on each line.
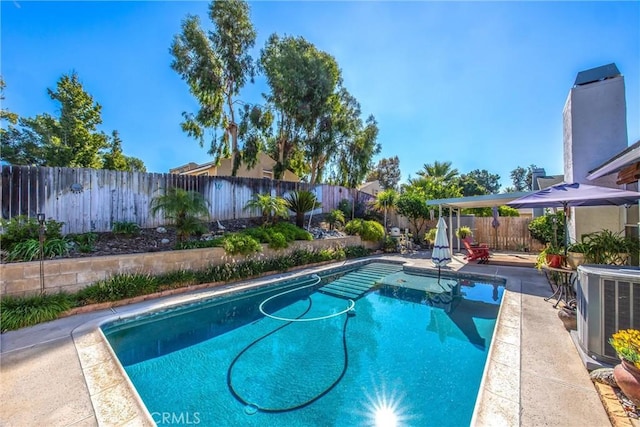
(561,281)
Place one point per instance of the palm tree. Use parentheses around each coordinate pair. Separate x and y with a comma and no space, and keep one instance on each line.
(184,208)
(439,170)
(271,207)
(301,202)
(386,200)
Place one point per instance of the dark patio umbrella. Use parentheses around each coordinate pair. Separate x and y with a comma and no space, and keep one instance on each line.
(576,194)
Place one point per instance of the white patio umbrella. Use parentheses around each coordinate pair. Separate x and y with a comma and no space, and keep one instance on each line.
(441,254)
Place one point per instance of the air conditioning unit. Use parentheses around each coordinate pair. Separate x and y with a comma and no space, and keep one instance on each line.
(608,300)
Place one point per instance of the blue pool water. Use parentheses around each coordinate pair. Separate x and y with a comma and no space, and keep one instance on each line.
(411,354)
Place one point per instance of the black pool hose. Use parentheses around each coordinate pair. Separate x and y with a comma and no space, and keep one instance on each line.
(301,405)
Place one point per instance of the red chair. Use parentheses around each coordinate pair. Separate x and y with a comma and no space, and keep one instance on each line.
(481,252)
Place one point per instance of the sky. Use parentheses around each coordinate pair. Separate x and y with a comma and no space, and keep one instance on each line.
(479,84)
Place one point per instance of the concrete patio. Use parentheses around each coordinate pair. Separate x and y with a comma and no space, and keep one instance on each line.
(62,374)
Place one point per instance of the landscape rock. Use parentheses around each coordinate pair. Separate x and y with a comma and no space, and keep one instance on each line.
(165,241)
(161,230)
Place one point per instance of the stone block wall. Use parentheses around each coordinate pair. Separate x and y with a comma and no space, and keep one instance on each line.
(73,274)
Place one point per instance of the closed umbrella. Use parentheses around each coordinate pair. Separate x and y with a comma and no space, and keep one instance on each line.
(441,254)
(495,224)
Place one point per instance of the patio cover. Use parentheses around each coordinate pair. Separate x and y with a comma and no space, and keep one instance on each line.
(485,201)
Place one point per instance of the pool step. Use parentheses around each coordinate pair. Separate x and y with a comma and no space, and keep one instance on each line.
(355,284)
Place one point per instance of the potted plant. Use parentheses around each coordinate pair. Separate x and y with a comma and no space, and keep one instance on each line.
(576,254)
(626,343)
(430,237)
(463,233)
(607,247)
(551,255)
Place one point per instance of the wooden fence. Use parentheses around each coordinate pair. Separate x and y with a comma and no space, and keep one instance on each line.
(93,199)
(512,234)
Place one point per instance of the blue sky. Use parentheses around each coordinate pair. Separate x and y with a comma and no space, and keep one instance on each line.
(480,84)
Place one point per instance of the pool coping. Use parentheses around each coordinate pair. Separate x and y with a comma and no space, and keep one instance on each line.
(116,402)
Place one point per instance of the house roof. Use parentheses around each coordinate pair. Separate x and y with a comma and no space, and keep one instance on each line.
(626,157)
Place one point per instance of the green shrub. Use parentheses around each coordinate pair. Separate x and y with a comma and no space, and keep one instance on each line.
(117,287)
(291,231)
(389,244)
(541,228)
(356,252)
(85,241)
(27,250)
(198,244)
(18,313)
(22,228)
(261,234)
(126,228)
(336,219)
(176,279)
(55,247)
(278,241)
(367,230)
(243,244)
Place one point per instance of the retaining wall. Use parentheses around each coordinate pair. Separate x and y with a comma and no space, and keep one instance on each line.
(73,274)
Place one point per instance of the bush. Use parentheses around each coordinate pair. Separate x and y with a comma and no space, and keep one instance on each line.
(243,244)
(278,241)
(18,313)
(336,219)
(126,228)
(117,287)
(291,231)
(390,244)
(176,279)
(55,247)
(541,228)
(198,244)
(27,250)
(367,230)
(356,252)
(22,228)
(85,241)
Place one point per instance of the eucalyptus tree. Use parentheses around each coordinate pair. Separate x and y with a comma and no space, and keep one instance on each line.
(522,178)
(387,172)
(302,80)
(216,66)
(355,158)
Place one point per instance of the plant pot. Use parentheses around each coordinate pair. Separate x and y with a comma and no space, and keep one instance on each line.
(628,379)
(554,261)
(574,259)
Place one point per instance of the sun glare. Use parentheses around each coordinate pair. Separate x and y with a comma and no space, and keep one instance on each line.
(386,417)
(385,409)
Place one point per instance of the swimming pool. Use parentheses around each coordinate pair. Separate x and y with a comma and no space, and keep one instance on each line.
(412,350)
